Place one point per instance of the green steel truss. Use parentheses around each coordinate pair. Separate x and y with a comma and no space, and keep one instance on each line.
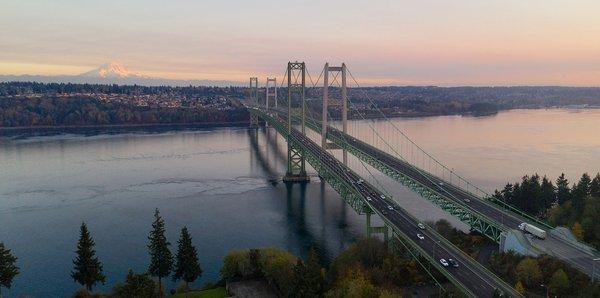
(476,220)
(355,200)
(346,191)
(296,165)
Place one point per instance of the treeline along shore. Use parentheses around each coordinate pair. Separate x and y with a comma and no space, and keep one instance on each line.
(54,105)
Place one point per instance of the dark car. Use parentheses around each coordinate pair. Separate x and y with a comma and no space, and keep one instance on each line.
(453,262)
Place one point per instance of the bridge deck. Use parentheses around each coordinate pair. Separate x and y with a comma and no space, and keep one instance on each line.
(552,245)
(470,275)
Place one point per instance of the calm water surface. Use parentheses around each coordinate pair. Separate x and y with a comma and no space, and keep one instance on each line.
(222,184)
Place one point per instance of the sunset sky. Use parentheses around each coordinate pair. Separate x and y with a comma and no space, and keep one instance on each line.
(447,43)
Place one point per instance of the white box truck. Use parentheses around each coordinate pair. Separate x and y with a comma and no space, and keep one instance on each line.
(535,231)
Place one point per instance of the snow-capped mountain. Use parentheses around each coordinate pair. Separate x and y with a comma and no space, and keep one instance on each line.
(116,73)
(111,70)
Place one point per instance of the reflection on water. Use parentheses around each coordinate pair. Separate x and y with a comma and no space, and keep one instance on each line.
(224,185)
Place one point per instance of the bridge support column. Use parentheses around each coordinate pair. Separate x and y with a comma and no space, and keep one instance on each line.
(341,70)
(296,165)
(376,230)
(253,89)
(296,170)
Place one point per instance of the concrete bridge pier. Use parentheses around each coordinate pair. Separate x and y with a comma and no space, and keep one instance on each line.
(376,230)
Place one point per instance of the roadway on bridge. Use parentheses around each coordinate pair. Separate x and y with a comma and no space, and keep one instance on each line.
(552,245)
(480,281)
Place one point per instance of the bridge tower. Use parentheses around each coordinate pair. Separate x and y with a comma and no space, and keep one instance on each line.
(253,100)
(337,71)
(271,91)
(296,164)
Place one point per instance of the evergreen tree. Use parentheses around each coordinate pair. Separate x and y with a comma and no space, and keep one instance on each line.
(547,194)
(88,269)
(563,192)
(8,267)
(580,192)
(161,260)
(187,266)
(595,186)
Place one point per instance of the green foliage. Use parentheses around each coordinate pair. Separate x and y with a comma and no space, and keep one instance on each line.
(187,266)
(559,282)
(275,265)
(219,292)
(8,267)
(469,243)
(161,260)
(353,283)
(87,269)
(506,266)
(520,288)
(308,280)
(136,285)
(528,271)
(577,207)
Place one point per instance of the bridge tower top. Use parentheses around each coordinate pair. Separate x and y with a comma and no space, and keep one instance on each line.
(337,71)
(296,76)
(271,91)
(254,89)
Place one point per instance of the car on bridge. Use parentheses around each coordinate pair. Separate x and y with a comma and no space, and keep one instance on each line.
(420,236)
(453,263)
(369,199)
(390,207)
(421,226)
(444,262)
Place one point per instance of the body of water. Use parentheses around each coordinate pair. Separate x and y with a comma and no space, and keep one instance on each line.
(223,185)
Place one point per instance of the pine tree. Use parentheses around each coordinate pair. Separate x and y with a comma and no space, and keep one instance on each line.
(187,266)
(563,192)
(547,194)
(8,267)
(88,269)
(161,260)
(595,186)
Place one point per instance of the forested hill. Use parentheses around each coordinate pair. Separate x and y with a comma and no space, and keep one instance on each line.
(29,104)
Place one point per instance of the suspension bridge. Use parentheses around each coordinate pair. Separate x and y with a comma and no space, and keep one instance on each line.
(424,175)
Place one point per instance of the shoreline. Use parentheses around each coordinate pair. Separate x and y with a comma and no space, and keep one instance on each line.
(245,123)
(126,126)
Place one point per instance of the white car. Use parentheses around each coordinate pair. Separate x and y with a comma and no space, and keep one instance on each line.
(369,199)
(441,183)
(467,201)
(444,262)
(421,237)
(390,207)
(421,226)
(360,181)
(382,196)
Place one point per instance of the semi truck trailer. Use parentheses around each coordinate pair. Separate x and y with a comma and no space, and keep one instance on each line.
(535,231)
